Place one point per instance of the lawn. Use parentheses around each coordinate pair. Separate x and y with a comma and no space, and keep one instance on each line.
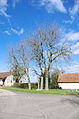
(51,91)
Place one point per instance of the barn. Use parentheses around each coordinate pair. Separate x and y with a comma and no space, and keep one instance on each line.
(69,81)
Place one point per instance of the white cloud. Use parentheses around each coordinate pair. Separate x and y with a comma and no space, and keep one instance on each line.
(72,69)
(12,30)
(7,32)
(75,46)
(74,36)
(68,21)
(3,7)
(14,2)
(18,32)
(75,9)
(76,52)
(21,31)
(51,5)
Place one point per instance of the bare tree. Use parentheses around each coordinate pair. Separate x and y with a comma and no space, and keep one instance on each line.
(47,47)
(25,61)
(15,67)
(19,58)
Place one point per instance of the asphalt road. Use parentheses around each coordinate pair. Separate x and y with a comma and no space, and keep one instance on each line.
(17,105)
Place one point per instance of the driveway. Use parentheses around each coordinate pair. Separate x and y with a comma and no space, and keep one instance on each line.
(17,105)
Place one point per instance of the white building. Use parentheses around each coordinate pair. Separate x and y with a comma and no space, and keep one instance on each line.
(69,81)
(6,79)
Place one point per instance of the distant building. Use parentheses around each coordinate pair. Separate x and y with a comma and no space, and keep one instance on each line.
(6,79)
(69,81)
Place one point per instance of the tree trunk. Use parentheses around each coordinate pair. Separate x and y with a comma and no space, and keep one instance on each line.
(41,83)
(29,83)
(46,80)
(38,83)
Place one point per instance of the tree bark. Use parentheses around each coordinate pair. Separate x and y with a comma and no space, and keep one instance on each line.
(41,83)
(38,83)
(29,83)
(46,80)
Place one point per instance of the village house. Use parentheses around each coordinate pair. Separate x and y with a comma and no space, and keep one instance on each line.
(6,79)
(69,81)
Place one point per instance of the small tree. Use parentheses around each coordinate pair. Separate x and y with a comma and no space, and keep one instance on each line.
(17,73)
(54,78)
(23,55)
(15,67)
(19,63)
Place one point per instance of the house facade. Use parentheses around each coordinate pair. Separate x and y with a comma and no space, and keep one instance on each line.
(69,81)
(6,79)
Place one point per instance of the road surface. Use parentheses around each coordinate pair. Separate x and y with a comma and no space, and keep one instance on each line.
(18,105)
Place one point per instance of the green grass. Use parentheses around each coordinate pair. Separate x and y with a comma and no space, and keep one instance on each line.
(51,91)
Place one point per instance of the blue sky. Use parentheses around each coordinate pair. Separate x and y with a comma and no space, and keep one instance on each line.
(18,18)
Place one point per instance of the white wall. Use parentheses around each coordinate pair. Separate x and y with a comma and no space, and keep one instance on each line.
(1,82)
(9,81)
(69,85)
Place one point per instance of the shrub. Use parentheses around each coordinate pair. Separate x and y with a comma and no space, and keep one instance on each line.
(17,85)
(53,81)
(25,85)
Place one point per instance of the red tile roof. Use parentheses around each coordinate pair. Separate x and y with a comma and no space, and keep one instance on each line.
(69,78)
(5,74)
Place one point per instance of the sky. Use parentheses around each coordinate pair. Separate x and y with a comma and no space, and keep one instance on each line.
(18,18)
